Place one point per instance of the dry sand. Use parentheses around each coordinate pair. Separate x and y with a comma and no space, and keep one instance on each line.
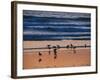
(65,57)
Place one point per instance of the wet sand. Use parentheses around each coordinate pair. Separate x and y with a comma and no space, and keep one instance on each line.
(65,57)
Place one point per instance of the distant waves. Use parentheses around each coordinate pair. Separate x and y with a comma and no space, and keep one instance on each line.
(56,28)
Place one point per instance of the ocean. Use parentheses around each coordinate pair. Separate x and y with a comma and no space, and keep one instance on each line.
(50,25)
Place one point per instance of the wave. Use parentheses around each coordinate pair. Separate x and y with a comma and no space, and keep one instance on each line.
(35,18)
(58,29)
(57,14)
(36,32)
(65,35)
(68,24)
(32,37)
(61,22)
(55,27)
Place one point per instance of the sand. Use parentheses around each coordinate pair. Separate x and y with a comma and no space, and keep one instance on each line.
(34,44)
(64,57)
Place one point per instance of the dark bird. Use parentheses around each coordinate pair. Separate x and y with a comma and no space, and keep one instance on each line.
(55,52)
(49,47)
(58,47)
(85,45)
(40,54)
(67,46)
(74,49)
(54,47)
(40,60)
(71,45)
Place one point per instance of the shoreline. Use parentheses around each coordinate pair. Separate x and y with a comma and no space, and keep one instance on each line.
(51,58)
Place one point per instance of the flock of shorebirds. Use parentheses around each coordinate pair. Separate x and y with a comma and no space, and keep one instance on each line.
(55,48)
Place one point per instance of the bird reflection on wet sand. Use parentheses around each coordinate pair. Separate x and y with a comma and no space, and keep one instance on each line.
(59,56)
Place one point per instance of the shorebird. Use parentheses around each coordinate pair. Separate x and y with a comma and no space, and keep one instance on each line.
(74,49)
(67,46)
(71,45)
(85,45)
(55,52)
(58,46)
(40,54)
(49,48)
(40,60)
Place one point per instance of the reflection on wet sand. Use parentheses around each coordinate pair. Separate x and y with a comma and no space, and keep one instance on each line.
(69,55)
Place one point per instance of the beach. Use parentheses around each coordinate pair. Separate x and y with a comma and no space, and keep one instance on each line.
(65,57)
